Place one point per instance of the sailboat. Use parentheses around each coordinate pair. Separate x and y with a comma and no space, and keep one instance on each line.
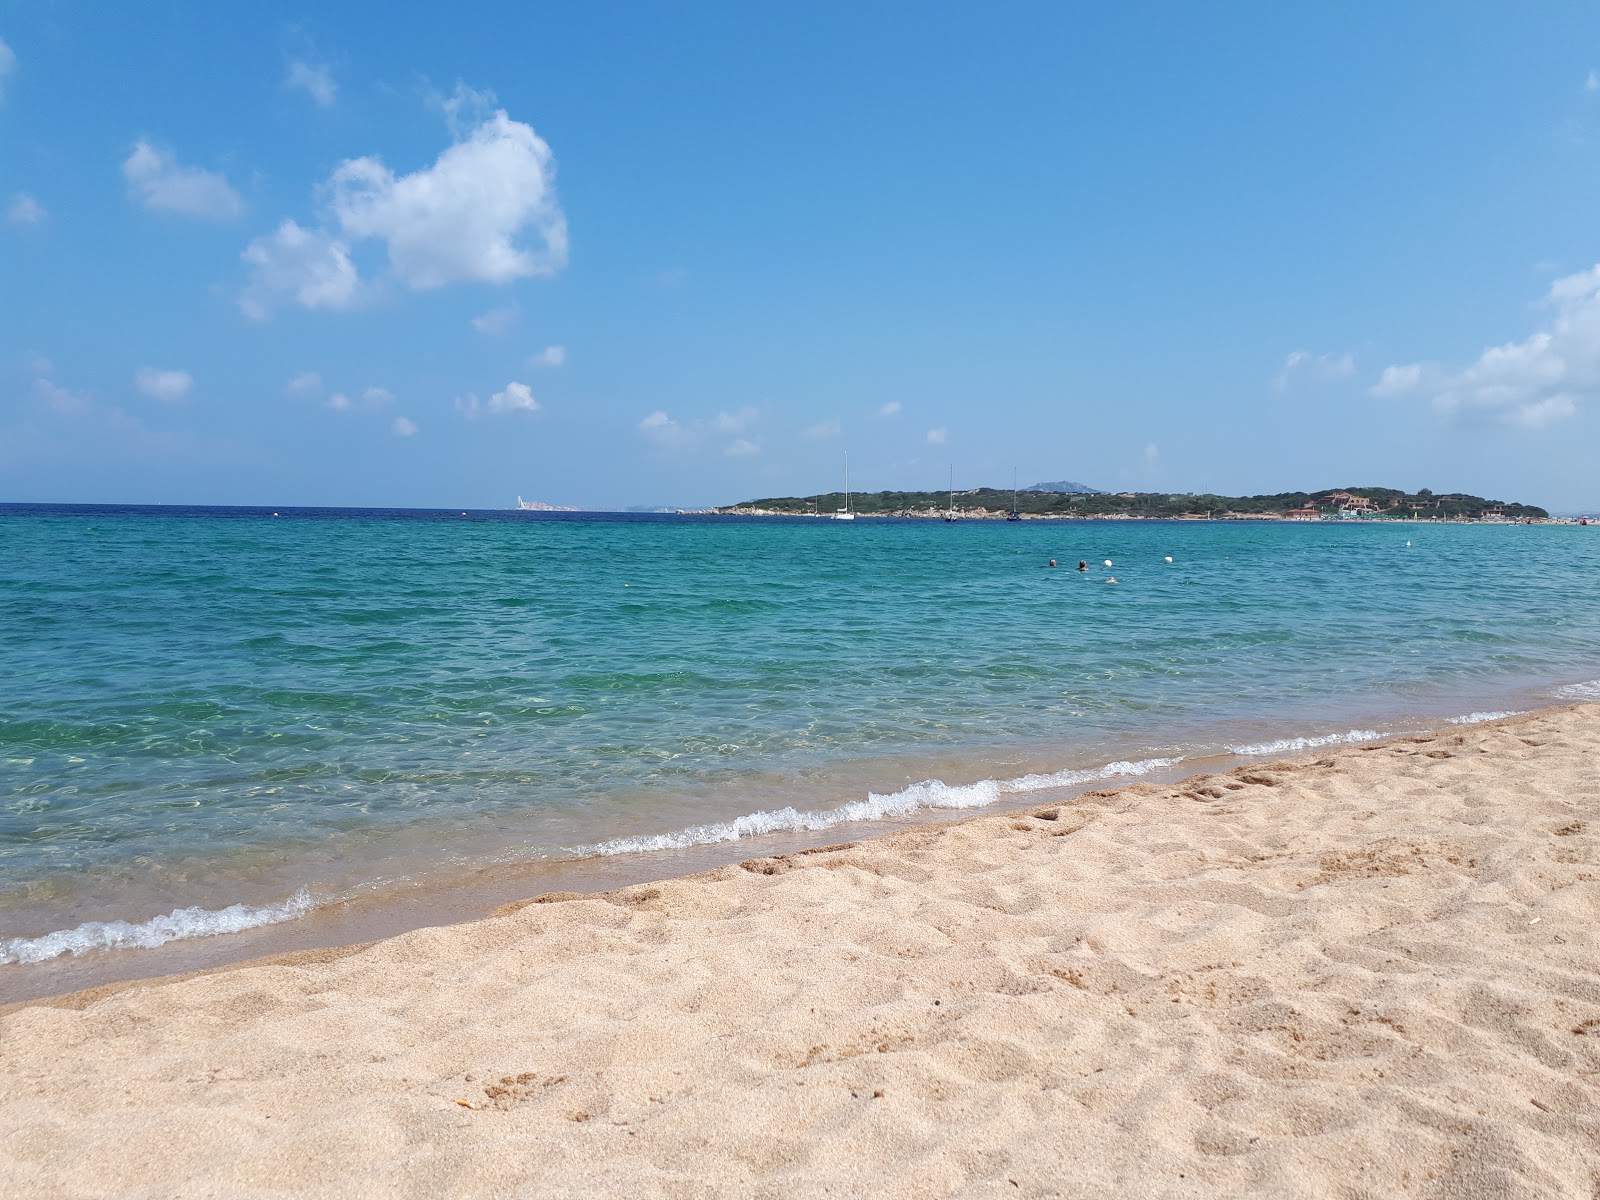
(845,514)
(950,513)
(1013,515)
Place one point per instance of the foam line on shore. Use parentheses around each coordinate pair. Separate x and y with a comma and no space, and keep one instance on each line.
(1587,690)
(929,794)
(1298,745)
(176,926)
(1475,718)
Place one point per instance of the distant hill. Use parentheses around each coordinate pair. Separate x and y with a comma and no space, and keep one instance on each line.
(1065,488)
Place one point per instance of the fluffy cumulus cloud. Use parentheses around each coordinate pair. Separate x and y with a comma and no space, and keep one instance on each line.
(667,433)
(936,437)
(485,211)
(315,80)
(550,356)
(661,430)
(517,397)
(24,210)
(158,181)
(170,387)
(304,265)
(1302,364)
(404,427)
(1532,382)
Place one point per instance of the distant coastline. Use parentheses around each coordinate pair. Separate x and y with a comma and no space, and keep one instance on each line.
(996,504)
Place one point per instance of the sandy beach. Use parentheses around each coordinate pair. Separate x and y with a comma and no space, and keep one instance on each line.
(1373,972)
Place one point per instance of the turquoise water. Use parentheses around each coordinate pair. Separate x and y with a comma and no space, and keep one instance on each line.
(209,708)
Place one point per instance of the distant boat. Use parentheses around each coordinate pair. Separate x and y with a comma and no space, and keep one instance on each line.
(845,514)
(1013,515)
(950,513)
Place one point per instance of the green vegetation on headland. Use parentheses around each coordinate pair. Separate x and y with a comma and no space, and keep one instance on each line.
(1355,503)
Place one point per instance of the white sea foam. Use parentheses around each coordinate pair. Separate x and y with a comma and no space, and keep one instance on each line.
(929,794)
(1580,691)
(176,926)
(1474,718)
(1295,745)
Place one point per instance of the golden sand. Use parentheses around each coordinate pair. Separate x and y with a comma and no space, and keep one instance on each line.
(1372,973)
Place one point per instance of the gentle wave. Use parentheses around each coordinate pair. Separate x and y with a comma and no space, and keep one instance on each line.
(929,794)
(1580,691)
(1295,745)
(176,926)
(1474,718)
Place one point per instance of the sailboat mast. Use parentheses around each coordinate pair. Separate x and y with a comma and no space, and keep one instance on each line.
(847,481)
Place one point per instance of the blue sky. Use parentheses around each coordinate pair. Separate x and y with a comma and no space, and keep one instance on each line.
(613,255)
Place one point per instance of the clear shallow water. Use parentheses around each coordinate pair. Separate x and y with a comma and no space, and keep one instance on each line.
(214,718)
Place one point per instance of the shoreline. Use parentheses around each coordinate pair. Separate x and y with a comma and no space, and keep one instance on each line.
(438,895)
(1366,968)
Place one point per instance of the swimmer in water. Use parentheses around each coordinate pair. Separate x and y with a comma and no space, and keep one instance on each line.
(1052,562)
(1113,579)
(1082,565)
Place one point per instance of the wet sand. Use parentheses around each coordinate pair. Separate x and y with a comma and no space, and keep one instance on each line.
(1373,972)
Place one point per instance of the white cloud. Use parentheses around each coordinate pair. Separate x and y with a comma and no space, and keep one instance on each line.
(1302,363)
(484,212)
(305,265)
(550,356)
(742,448)
(496,320)
(62,401)
(159,182)
(8,60)
(404,427)
(936,437)
(827,429)
(1592,83)
(307,383)
(370,400)
(170,387)
(890,409)
(726,422)
(315,80)
(1533,382)
(460,220)
(24,210)
(517,397)
(661,429)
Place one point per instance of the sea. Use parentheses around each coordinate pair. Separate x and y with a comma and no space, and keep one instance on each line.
(232,731)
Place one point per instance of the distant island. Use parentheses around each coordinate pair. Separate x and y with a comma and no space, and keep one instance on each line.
(1055,501)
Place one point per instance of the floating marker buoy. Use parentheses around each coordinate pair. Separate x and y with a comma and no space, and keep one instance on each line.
(1108,562)
(1408,545)
(1169,557)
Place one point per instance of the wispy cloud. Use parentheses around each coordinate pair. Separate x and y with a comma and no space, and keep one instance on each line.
(1592,83)
(550,356)
(8,63)
(159,182)
(1533,382)
(496,321)
(827,429)
(24,210)
(742,448)
(169,387)
(936,437)
(315,80)
(893,408)
(403,427)
(1302,364)
(371,400)
(307,383)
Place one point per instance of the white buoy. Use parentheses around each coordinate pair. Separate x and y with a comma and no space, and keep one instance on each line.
(1408,545)
(1169,557)
(1108,562)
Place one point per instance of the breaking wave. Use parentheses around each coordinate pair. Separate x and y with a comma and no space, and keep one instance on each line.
(1589,690)
(176,926)
(929,794)
(1297,744)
